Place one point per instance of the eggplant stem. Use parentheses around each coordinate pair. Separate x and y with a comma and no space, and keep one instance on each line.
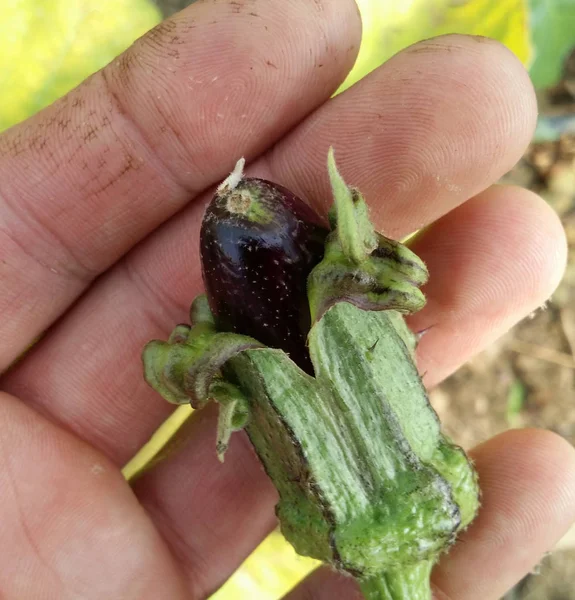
(232,180)
(408,583)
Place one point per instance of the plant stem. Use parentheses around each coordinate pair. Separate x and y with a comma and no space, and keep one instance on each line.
(409,583)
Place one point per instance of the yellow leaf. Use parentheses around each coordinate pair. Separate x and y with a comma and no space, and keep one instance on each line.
(164,440)
(269,572)
(47,47)
(390,26)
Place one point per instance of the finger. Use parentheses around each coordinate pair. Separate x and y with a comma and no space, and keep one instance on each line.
(70,525)
(492,261)
(527,480)
(432,127)
(528,483)
(85,179)
(224,512)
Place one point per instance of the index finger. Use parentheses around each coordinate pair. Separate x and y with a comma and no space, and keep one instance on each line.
(85,179)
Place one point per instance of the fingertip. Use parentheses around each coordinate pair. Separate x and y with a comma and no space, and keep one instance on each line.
(549,238)
(531,238)
(534,227)
(492,261)
(503,253)
(487,71)
(540,465)
(527,481)
(508,85)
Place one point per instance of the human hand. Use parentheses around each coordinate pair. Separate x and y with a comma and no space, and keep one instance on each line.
(88,250)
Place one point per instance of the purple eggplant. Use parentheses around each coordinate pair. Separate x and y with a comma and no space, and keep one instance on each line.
(258,244)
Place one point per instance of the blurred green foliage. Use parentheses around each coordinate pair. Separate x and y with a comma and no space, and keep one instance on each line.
(552,25)
(516,396)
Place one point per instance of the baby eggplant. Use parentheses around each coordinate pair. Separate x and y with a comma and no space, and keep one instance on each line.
(258,244)
(367,481)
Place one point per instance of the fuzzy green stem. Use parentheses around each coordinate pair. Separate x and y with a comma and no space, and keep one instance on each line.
(355,231)
(409,583)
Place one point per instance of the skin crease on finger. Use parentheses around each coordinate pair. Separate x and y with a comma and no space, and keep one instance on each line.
(87,178)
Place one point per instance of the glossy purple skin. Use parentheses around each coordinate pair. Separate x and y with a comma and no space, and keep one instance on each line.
(255,270)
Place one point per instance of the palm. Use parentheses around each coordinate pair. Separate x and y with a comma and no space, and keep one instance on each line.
(105,168)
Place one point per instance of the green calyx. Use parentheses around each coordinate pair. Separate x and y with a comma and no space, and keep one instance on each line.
(367,481)
(361,266)
(350,217)
(187,369)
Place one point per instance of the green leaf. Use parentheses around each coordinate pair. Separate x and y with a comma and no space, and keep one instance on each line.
(516,397)
(47,47)
(553,32)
